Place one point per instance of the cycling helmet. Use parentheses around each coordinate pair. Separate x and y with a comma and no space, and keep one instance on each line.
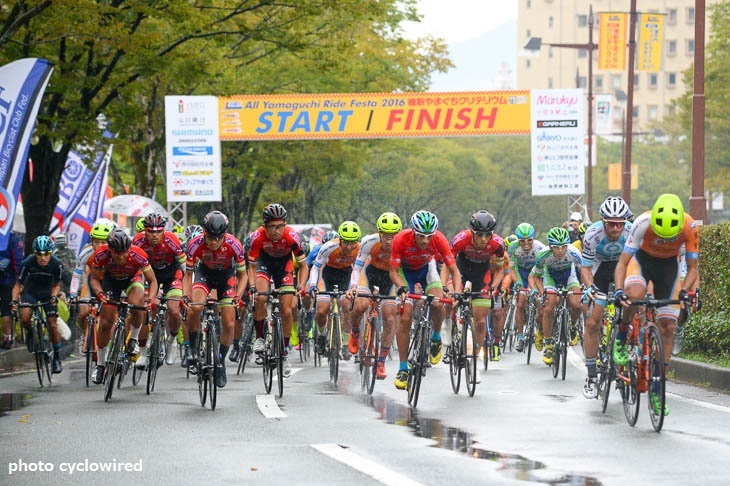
(667,216)
(389,223)
(329,235)
(424,222)
(215,223)
(582,229)
(482,221)
(305,247)
(61,240)
(43,244)
(273,212)
(558,236)
(349,231)
(576,216)
(247,241)
(510,239)
(192,231)
(614,207)
(139,227)
(119,240)
(154,221)
(101,229)
(524,231)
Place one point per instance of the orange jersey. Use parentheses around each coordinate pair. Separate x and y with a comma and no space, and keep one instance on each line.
(642,237)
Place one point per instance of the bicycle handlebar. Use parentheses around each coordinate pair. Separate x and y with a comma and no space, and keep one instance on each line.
(430,298)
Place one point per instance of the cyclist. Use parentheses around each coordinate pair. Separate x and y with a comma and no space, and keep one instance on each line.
(11,258)
(215,261)
(294,339)
(413,261)
(651,255)
(79,281)
(67,257)
(314,251)
(602,246)
(554,268)
(39,280)
(167,259)
(474,250)
(578,243)
(270,260)
(374,258)
(572,225)
(522,254)
(119,267)
(334,262)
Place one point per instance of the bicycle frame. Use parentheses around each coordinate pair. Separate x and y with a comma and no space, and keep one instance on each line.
(274,353)
(334,332)
(42,348)
(561,329)
(369,352)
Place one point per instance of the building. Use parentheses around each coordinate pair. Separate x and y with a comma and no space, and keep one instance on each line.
(567,22)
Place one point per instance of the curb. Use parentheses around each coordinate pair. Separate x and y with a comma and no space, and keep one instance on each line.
(701,374)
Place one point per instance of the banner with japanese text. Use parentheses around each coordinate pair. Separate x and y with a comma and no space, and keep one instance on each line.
(373,115)
(651,36)
(22,84)
(612,41)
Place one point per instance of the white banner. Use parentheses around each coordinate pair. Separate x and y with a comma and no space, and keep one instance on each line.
(557,142)
(193,148)
(604,114)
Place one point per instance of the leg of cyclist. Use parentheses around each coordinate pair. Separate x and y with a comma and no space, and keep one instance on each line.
(520,315)
(547,325)
(173,319)
(199,294)
(52,319)
(236,344)
(389,311)
(593,323)
(294,338)
(498,317)
(575,308)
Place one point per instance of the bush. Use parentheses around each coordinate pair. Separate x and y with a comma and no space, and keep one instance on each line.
(708,334)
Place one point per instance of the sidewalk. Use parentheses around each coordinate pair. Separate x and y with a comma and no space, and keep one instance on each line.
(19,358)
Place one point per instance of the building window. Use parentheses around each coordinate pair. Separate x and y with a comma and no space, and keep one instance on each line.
(690,47)
(582,82)
(636,81)
(653,80)
(635,113)
(671,16)
(652,112)
(670,110)
(616,81)
(599,81)
(690,15)
(528,64)
(582,53)
(550,83)
(671,48)
(582,20)
(671,80)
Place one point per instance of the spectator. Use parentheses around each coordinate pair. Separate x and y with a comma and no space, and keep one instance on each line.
(10,260)
(67,257)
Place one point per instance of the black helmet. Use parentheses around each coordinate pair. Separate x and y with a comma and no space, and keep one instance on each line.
(274,211)
(154,221)
(483,221)
(215,223)
(119,241)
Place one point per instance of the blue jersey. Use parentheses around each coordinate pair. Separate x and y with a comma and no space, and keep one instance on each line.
(597,248)
(313,255)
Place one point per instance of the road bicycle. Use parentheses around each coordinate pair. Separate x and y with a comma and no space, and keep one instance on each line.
(370,340)
(645,372)
(604,361)
(419,347)
(303,328)
(207,352)
(510,322)
(531,324)
(117,360)
(92,327)
(156,349)
(561,330)
(462,352)
(41,346)
(274,352)
(246,340)
(334,333)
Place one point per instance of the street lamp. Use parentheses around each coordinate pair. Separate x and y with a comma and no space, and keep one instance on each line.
(534,44)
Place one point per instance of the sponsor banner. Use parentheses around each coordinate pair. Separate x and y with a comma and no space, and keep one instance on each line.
(193,148)
(90,208)
(612,41)
(22,84)
(373,115)
(604,114)
(651,33)
(557,139)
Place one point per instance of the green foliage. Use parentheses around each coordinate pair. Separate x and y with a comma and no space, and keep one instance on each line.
(708,334)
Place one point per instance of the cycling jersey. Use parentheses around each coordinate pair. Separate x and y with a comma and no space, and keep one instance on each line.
(407,255)
(81,265)
(522,260)
(230,255)
(37,281)
(642,237)
(373,253)
(598,249)
(135,263)
(557,272)
(462,244)
(166,258)
(331,257)
(261,244)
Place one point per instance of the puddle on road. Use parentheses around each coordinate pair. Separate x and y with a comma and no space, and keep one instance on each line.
(13,401)
(458,440)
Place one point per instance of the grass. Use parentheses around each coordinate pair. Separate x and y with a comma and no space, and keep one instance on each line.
(723,361)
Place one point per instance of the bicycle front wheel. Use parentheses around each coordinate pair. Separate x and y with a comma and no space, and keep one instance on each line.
(656,379)
(43,353)
(267,364)
(471,356)
(530,334)
(564,336)
(334,356)
(154,356)
(455,357)
(508,335)
(202,368)
(631,396)
(369,356)
(420,352)
(213,362)
(279,355)
(90,350)
(245,343)
(557,343)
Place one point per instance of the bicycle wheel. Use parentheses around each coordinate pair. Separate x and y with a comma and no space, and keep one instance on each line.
(530,334)
(214,362)
(154,355)
(267,358)
(488,343)
(455,357)
(112,363)
(245,342)
(606,373)
(43,353)
(90,349)
(279,355)
(202,368)
(302,335)
(564,336)
(555,366)
(317,358)
(471,358)
(415,377)
(335,343)
(631,396)
(656,378)
(508,335)
(369,361)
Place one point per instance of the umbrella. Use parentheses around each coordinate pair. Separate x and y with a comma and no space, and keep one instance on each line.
(133,205)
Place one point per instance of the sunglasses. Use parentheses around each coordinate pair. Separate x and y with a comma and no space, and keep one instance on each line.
(525,240)
(614,224)
(422,235)
(154,231)
(558,247)
(43,253)
(276,226)
(483,234)
(211,237)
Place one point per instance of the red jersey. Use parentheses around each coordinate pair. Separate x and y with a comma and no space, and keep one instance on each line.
(136,261)
(407,254)
(463,243)
(262,244)
(224,258)
(167,254)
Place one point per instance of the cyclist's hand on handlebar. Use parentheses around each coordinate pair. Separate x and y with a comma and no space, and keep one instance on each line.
(13,306)
(620,298)
(351,293)
(402,292)
(102,298)
(185,301)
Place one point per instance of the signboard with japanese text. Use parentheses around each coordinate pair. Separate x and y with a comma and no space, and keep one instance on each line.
(557,142)
(193,148)
(612,42)
(373,115)
(651,33)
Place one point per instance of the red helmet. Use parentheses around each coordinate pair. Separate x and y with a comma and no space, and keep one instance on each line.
(154,221)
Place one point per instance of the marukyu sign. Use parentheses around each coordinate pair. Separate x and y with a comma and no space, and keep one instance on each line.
(373,115)
(557,138)
(193,148)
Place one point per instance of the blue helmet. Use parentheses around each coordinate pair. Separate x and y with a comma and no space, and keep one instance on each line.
(424,222)
(43,244)
(558,236)
(329,235)
(524,231)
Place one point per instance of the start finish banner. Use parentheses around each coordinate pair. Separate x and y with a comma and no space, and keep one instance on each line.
(373,115)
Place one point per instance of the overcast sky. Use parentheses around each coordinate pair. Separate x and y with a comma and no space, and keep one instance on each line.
(461,20)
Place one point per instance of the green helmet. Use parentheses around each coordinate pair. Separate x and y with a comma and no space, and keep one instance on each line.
(524,230)
(667,216)
(102,229)
(349,231)
(140,225)
(558,236)
(424,222)
(389,223)
(511,239)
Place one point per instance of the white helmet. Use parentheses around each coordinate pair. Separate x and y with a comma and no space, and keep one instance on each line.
(576,216)
(614,207)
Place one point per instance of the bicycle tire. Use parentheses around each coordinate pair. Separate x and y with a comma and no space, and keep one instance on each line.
(631,396)
(112,362)
(555,366)
(471,358)
(488,343)
(266,364)
(279,355)
(564,344)
(302,335)
(335,343)
(245,343)
(508,335)
(317,358)
(416,375)
(455,358)
(369,361)
(607,373)
(43,352)
(201,368)
(154,355)
(90,350)
(656,376)
(214,361)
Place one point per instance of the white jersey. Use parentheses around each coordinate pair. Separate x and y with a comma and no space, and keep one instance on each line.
(77,279)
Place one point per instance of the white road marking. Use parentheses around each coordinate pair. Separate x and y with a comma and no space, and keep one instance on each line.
(268,406)
(699,403)
(365,466)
